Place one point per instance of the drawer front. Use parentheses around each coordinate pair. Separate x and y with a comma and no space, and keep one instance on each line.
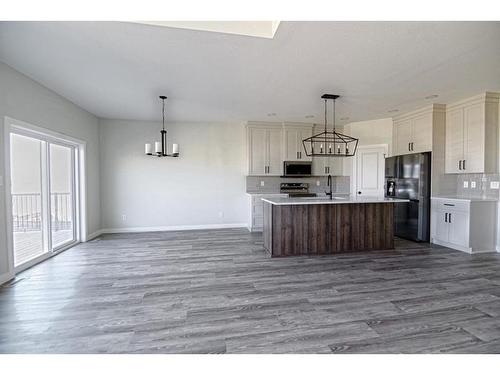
(451,205)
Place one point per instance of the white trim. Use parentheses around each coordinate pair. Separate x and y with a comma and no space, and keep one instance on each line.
(6,277)
(8,199)
(171,228)
(93,235)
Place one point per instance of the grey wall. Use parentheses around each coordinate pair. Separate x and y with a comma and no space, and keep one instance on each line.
(204,186)
(24,99)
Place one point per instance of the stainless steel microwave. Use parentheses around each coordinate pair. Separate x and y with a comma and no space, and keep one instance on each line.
(297,169)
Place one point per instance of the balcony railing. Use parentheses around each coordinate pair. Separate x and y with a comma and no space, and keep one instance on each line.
(27,212)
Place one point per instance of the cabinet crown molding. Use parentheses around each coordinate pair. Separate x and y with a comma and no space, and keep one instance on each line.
(284,125)
(488,97)
(303,125)
(263,124)
(427,109)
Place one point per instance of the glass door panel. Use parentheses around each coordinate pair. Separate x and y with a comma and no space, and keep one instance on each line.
(27,197)
(61,162)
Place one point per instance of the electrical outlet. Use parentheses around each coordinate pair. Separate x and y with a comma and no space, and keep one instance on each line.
(262,183)
(473,184)
(466,184)
(494,185)
(124,217)
(318,183)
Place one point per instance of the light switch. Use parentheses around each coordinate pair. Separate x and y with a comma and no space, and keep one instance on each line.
(262,183)
(494,185)
(318,183)
(466,184)
(473,184)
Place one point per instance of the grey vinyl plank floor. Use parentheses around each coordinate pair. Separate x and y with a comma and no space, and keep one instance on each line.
(216,291)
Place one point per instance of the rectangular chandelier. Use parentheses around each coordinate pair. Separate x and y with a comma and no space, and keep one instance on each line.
(330,143)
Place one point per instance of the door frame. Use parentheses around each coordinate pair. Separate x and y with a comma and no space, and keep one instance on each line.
(354,163)
(12,125)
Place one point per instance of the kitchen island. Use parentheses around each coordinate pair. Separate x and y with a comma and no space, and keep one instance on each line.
(321,226)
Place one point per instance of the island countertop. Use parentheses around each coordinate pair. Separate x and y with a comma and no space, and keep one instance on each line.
(283,201)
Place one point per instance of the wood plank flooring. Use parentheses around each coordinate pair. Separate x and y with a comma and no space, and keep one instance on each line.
(217,292)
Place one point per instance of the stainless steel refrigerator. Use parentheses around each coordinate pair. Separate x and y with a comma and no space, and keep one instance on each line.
(409,177)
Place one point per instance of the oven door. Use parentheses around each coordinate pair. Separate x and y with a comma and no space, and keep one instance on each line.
(297,169)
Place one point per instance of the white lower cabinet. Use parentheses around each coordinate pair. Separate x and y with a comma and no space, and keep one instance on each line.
(463,224)
(256,210)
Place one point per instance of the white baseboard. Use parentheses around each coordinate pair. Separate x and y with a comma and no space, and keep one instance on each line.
(172,228)
(91,236)
(6,277)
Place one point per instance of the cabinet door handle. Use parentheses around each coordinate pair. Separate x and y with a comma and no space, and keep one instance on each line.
(446,217)
(409,146)
(412,147)
(449,218)
(460,164)
(300,154)
(464,164)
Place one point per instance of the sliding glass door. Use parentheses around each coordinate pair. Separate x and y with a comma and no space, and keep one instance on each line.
(26,156)
(43,197)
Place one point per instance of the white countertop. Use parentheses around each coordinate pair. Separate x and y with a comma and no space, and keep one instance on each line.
(459,198)
(335,200)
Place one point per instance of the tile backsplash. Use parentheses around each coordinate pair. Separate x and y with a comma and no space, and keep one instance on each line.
(477,185)
(271,184)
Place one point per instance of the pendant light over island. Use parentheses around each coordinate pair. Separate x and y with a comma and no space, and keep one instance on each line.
(330,143)
(161,147)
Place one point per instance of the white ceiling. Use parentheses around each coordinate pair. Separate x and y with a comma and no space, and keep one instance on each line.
(117,69)
(262,29)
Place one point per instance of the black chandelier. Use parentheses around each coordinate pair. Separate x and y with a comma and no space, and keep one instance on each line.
(330,142)
(161,147)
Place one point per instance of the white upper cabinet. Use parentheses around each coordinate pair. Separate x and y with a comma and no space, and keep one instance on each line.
(471,135)
(413,132)
(293,134)
(264,149)
(454,141)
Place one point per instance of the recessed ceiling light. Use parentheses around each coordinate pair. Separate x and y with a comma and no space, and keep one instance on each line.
(434,96)
(309,116)
(344,118)
(393,110)
(271,114)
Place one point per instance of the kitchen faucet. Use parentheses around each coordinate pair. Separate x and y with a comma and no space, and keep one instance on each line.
(329,183)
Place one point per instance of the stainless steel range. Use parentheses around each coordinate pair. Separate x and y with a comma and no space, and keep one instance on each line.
(296,189)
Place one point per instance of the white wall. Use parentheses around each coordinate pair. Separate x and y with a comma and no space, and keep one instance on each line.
(193,190)
(371,132)
(24,99)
